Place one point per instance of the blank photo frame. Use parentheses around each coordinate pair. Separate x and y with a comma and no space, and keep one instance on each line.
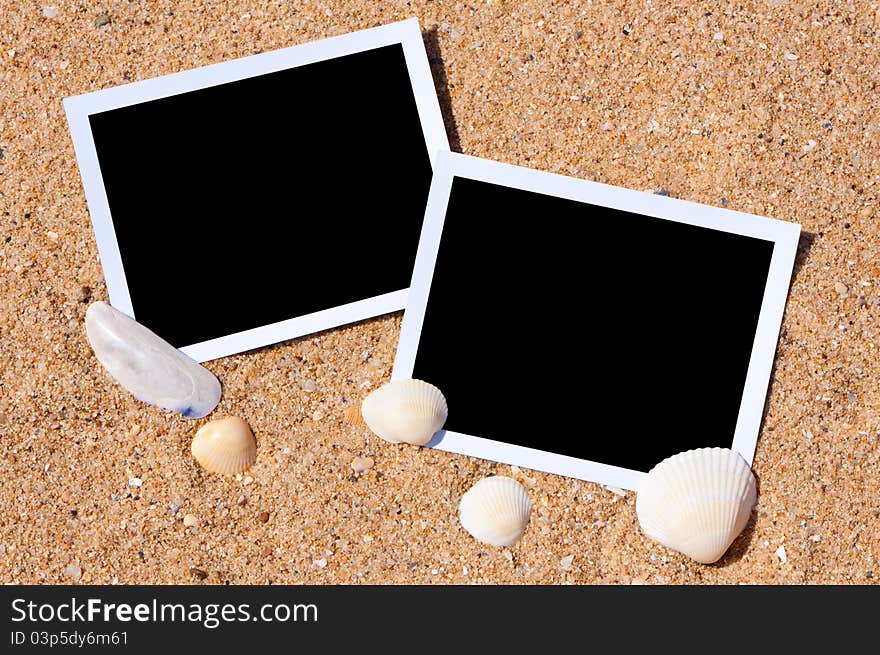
(265,198)
(588,330)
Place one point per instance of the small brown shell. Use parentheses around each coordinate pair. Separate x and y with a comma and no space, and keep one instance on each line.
(226,446)
(352,415)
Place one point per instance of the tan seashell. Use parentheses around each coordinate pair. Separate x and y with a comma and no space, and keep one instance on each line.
(352,415)
(495,511)
(226,446)
(409,411)
(697,502)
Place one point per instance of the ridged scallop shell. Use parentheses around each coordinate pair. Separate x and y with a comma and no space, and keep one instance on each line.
(226,446)
(352,415)
(153,370)
(697,502)
(495,511)
(409,411)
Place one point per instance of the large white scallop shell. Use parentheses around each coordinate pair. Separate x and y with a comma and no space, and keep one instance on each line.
(226,446)
(409,411)
(697,502)
(495,511)
(152,369)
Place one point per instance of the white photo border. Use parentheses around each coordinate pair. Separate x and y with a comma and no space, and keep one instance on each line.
(79,108)
(784,236)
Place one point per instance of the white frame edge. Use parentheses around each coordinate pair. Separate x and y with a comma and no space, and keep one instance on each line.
(784,236)
(79,108)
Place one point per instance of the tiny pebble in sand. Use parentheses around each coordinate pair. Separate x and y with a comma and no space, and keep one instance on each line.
(190,520)
(361,464)
(782,555)
(73,571)
(617,491)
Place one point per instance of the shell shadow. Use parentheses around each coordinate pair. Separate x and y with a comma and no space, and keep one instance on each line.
(436,439)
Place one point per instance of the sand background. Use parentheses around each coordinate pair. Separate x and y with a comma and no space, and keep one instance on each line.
(764,107)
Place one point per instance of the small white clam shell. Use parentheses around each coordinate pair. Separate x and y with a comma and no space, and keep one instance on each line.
(697,502)
(495,511)
(409,411)
(153,370)
(226,446)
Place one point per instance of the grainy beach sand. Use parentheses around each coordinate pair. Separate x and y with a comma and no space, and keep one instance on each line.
(764,107)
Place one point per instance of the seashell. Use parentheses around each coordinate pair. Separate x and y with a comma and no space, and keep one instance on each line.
(153,370)
(226,446)
(409,411)
(697,502)
(352,415)
(495,511)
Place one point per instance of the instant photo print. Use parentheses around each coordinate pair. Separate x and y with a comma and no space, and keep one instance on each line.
(588,330)
(265,198)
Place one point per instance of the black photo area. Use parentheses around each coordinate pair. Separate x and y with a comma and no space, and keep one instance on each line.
(586,331)
(260,200)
